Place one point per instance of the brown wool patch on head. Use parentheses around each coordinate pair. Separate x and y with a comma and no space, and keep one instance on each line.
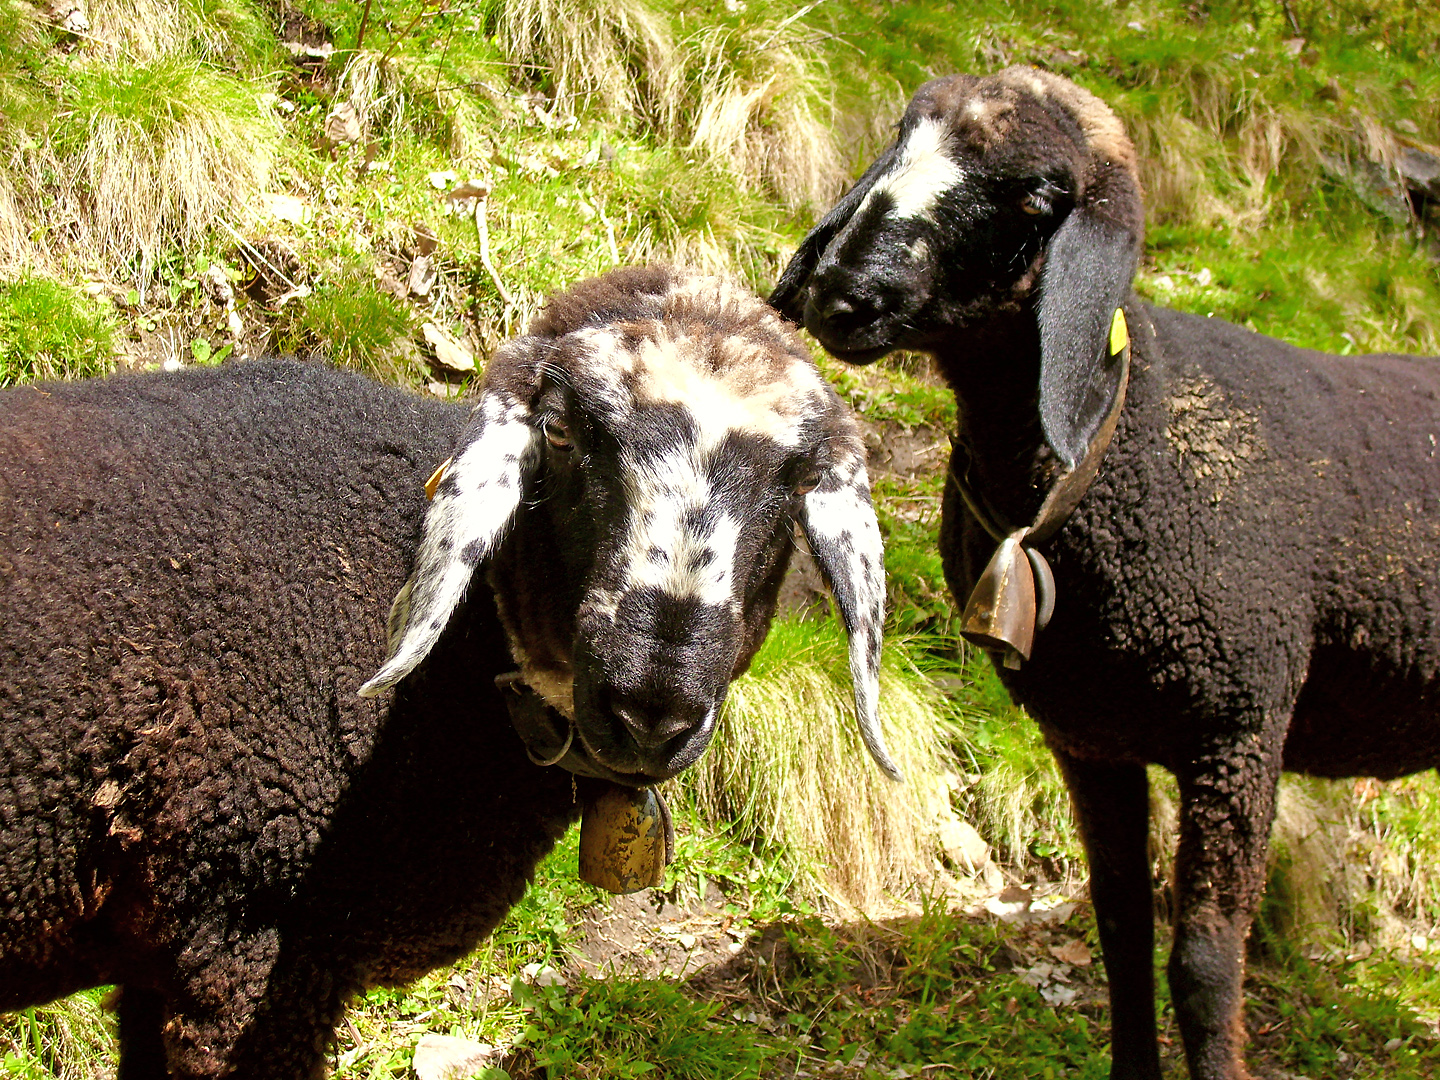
(1216,442)
(979,112)
(1102,128)
(712,346)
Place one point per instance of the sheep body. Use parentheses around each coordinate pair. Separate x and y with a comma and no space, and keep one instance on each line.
(195,570)
(1212,558)
(1251,583)
(196,802)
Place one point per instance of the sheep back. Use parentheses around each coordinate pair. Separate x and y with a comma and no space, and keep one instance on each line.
(183,762)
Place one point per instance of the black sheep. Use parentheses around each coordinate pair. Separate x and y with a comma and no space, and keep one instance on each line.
(1250,584)
(194,576)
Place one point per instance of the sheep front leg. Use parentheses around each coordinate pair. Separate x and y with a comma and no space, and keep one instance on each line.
(142,1049)
(1227,806)
(1112,809)
(253,1007)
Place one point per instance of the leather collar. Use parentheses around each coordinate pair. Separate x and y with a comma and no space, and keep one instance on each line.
(1015,594)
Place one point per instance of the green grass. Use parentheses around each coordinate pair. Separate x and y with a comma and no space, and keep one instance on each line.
(50,330)
(72,1039)
(353,324)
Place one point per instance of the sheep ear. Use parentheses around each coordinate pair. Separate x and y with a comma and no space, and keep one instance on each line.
(473,506)
(839,523)
(789,295)
(1086,276)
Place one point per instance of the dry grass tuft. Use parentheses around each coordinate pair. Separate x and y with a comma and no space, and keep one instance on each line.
(141,159)
(753,101)
(787,769)
(605,52)
(750,98)
(396,96)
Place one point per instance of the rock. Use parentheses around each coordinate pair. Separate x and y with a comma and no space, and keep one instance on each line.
(1419,169)
(1378,187)
(69,16)
(303,52)
(449,353)
(216,284)
(285,207)
(449,1057)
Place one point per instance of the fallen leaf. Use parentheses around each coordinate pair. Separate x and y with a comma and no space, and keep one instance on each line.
(449,1057)
(422,279)
(1074,952)
(343,124)
(963,844)
(449,353)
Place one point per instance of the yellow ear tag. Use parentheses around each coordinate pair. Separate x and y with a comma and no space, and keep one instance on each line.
(1119,333)
(439,474)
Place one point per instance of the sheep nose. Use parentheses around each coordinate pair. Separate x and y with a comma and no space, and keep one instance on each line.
(838,311)
(652,724)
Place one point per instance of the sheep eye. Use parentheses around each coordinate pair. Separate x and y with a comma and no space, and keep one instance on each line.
(558,434)
(808,483)
(1035,204)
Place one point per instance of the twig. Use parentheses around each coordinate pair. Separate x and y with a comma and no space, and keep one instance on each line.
(609,232)
(364,21)
(253,253)
(484,232)
(406,32)
(1290,14)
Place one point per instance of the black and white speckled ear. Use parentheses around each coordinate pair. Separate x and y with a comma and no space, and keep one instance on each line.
(473,507)
(839,523)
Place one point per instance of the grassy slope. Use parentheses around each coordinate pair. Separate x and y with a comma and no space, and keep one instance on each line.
(672,132)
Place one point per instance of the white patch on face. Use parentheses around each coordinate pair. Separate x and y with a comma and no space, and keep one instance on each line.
(744,395)
(665,548)
(608,363)
(919,251)
(924,173)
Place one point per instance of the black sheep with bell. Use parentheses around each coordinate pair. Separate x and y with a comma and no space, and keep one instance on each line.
(1239,540)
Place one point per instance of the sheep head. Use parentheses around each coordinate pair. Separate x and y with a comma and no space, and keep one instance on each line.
(1014,194)
(629,483)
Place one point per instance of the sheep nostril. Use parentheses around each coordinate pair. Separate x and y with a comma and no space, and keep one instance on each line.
(840,312)
(649,726)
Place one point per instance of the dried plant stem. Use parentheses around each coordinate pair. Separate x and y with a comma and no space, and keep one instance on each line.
(483,230)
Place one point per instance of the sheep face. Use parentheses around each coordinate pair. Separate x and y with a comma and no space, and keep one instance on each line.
(632,480)
(1014,194)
